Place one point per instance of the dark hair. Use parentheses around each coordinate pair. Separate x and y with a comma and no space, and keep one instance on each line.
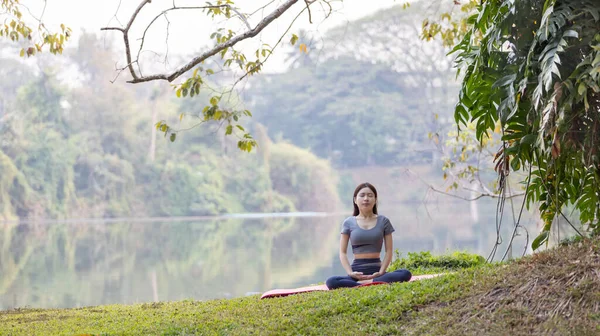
(358,188)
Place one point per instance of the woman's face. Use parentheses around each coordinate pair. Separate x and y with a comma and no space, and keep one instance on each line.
(365,199)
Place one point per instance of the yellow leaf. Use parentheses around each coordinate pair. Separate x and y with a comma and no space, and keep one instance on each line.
(303,48)
(180,117)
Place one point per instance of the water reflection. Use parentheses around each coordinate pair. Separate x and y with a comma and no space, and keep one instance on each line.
(76,264)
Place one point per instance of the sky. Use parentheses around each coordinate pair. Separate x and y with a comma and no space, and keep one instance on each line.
(189,30)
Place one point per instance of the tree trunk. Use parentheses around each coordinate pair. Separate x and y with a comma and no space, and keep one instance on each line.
(152,153)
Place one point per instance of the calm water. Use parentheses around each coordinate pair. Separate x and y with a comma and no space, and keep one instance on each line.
(74,264)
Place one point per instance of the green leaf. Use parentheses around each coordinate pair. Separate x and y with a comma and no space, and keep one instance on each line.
(571,33)
(229,130)
(294,39)
(513,150)
(581,89)
(540,239)
(515,164)
(173,136)
(504,81)
(528,139)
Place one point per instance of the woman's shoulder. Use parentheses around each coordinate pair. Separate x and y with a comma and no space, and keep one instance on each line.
(349,220)
(382,217)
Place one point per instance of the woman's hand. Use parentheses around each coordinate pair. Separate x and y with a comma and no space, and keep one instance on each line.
(376,274)
(359,276)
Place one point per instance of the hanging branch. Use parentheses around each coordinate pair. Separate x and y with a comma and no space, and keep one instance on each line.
(138,78)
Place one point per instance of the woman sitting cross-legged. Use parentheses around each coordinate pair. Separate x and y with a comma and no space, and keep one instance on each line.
(366,230)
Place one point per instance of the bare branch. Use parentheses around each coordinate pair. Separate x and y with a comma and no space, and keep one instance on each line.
(164,13)
(262,8)
(308,2)
(119,71)
(116,12)
(113,28)
(166,41)
(481,194)
(125,32)
(330,9)
(198,59)
(271,53)
(476,197)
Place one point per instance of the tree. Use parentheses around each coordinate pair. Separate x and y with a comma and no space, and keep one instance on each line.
(533,67)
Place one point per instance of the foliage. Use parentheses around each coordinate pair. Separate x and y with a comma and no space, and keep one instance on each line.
(424,262)
(70,152)
(451,25)
(352,117)
(17,29)
(535,70)
(490,296)
(365,94)
(223,56)
(308,181)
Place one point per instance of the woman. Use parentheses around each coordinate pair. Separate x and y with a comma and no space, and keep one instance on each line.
(367,231)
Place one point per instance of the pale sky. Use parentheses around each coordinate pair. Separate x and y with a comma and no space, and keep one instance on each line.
(190,30)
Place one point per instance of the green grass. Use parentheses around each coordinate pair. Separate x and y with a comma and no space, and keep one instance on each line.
(554,292)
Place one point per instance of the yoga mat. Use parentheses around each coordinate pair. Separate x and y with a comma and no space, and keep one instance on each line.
(291,291)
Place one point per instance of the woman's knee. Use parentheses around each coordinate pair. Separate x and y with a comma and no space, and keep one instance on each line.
(403,274)
(340,281)
(333,282)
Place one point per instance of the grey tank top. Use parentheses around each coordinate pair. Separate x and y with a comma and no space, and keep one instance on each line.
(366,241)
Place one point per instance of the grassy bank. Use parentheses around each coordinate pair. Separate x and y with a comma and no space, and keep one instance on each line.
(553,292)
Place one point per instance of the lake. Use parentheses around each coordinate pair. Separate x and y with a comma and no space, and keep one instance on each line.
(86,263)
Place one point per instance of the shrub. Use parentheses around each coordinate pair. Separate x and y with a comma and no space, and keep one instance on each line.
(425,262)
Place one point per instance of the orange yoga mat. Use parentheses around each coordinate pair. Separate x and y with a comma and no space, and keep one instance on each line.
(291,291)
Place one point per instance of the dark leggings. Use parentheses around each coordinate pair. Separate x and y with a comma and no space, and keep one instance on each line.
(367,267)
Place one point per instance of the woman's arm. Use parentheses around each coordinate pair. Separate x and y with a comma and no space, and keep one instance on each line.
(344,253)
(389,247)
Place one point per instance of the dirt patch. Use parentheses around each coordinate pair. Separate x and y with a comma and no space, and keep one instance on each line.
(554,292)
